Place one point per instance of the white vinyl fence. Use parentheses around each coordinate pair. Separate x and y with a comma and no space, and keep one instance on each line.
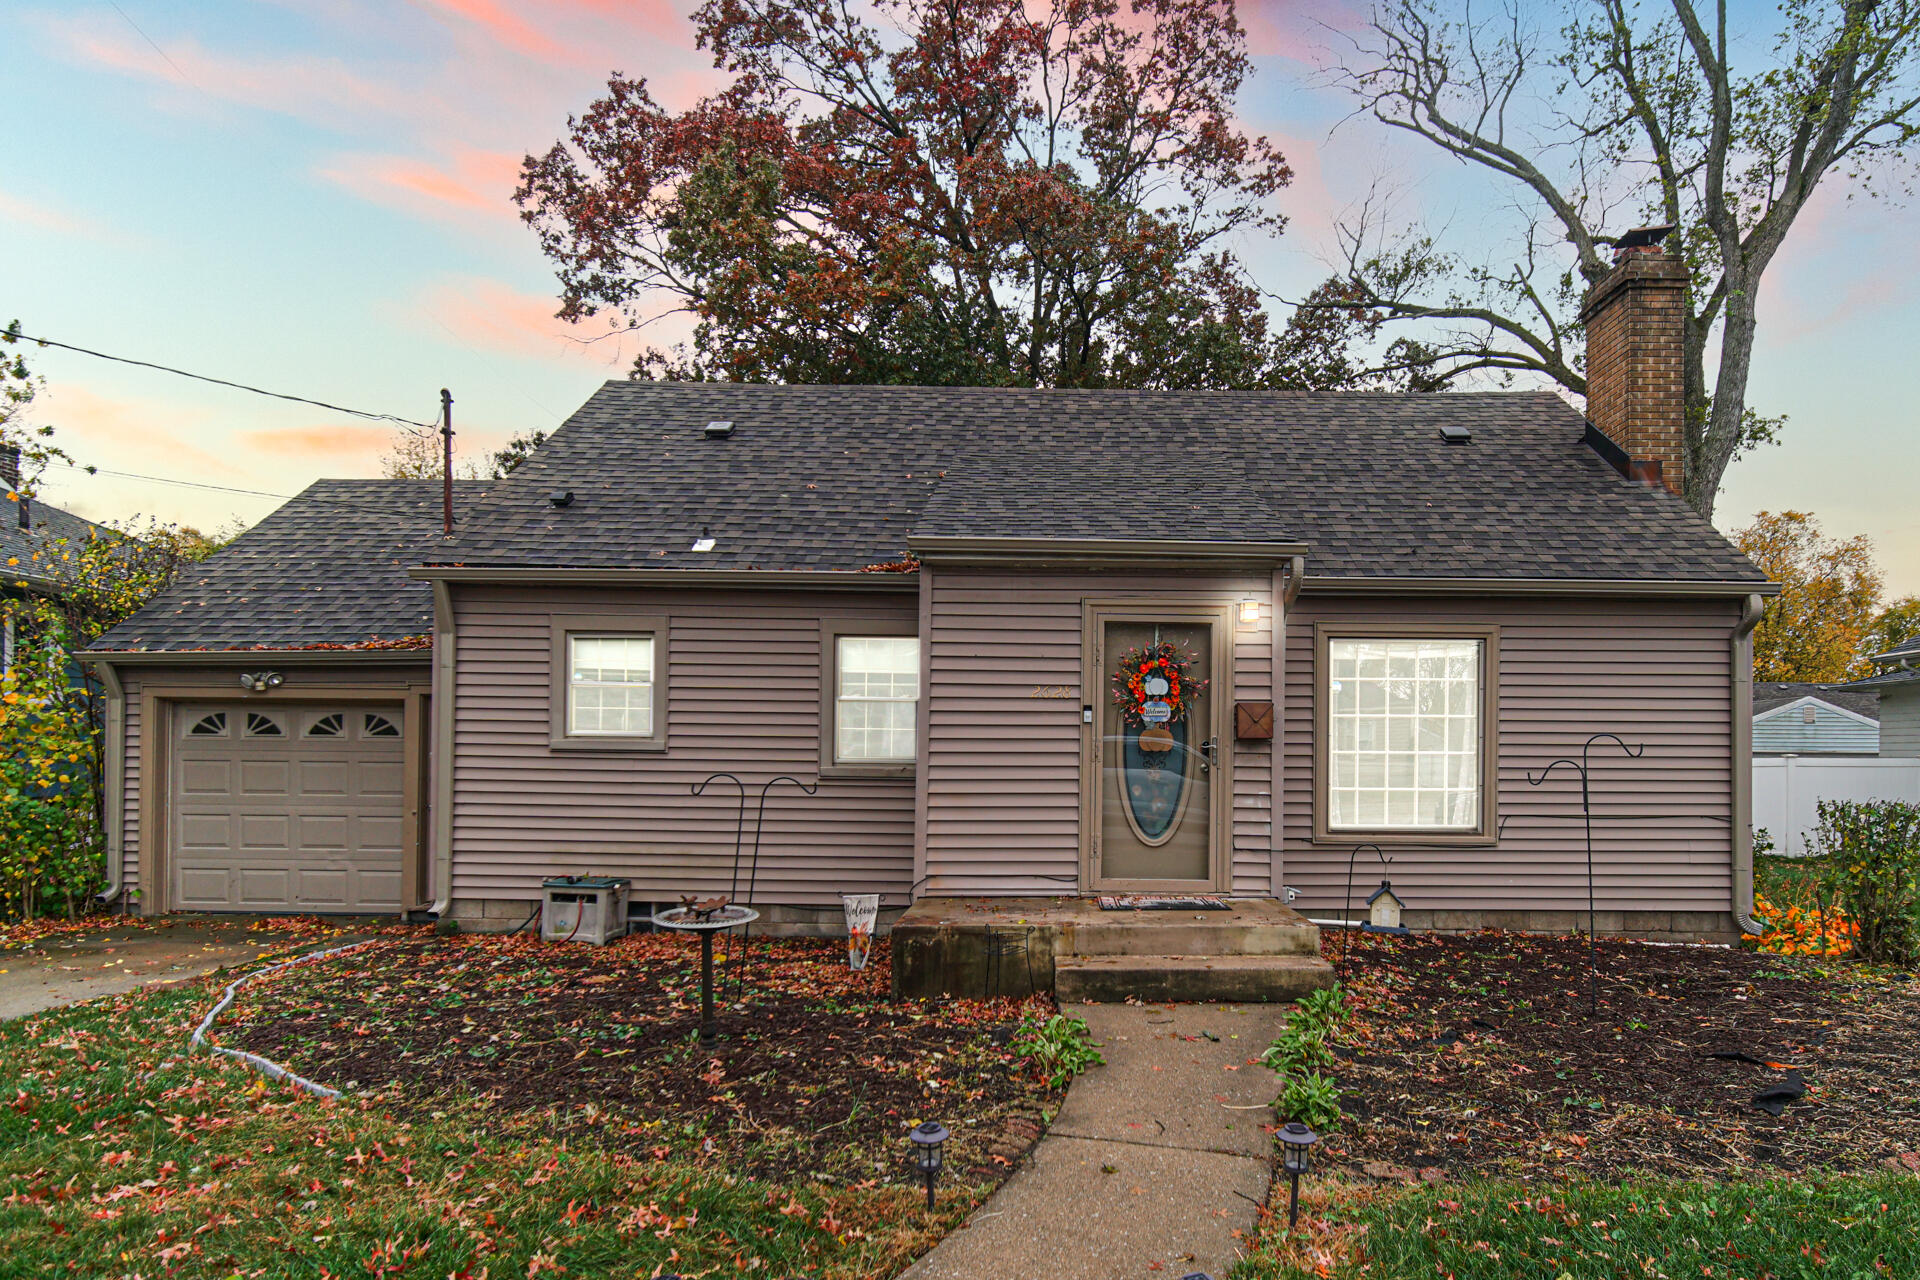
(1787,791)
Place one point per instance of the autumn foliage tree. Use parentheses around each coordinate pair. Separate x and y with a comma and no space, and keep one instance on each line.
(938,192)
(1829,596)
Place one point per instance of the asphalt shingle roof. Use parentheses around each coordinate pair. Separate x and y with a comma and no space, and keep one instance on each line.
(327,568)
(33,553)
(1769,694)
(837,478)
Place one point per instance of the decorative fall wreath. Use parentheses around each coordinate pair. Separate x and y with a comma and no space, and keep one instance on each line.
(1157,672)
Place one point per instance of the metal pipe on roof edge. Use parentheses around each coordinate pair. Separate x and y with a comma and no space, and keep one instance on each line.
(1742,662)
(440,748)
(1296,577)
(113,813)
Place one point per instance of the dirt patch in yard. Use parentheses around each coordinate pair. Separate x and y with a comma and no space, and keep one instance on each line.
(1478,1054)
(817,1073)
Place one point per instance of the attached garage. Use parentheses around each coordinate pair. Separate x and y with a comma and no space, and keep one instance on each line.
(265,715)
(287,807)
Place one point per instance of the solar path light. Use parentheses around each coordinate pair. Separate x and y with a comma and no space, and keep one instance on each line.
(927,1141)
(1296,1159)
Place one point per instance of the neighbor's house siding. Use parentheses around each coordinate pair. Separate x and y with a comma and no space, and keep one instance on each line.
(1900,721)
(1784,730)
(219,675)
(1003,787)
(1657,672)
(743,695)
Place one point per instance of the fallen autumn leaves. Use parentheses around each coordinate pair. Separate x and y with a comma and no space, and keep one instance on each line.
(123,1156)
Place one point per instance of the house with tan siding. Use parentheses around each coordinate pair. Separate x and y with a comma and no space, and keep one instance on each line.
(1021,649)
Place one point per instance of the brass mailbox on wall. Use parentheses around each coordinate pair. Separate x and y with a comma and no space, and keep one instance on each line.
(1253,721)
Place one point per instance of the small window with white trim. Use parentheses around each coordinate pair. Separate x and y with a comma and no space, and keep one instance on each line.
(610,686)
(1406,736)
(876,699)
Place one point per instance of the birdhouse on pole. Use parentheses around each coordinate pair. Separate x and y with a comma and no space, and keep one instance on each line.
(1383,907)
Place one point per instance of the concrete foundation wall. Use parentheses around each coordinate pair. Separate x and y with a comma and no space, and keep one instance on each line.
(498,915)
(1657,926)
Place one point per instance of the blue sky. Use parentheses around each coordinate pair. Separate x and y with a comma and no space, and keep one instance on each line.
(312,196)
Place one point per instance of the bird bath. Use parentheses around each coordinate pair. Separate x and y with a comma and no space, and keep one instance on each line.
(706,924)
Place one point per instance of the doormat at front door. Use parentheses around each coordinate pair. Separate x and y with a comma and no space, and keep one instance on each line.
(1160,902)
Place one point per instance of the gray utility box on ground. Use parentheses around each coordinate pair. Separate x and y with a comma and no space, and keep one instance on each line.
(583,909)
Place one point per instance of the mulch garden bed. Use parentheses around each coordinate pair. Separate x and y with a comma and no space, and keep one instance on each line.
(817,1074)
(1478,1055)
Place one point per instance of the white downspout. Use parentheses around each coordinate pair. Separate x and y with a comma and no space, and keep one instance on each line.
(1750,610)
(440,749)
(113,812)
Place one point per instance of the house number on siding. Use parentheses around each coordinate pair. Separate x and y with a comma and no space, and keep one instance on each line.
(1053,691)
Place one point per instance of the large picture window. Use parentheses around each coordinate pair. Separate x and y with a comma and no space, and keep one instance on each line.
(876,699)
(608,687)
(1405,735)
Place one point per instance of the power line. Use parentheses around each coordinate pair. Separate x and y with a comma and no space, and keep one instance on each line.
(15,334)
(225,488)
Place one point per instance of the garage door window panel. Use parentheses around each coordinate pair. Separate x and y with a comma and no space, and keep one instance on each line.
(609,686)
(260,725)
(332,725)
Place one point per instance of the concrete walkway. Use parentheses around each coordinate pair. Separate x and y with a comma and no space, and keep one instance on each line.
(66,968)
(1154,1162)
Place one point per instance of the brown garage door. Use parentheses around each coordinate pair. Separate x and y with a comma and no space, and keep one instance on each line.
(279,807)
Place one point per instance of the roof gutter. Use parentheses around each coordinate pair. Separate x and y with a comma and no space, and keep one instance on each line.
(750,579)
(1742,659)
(113,812)
(440,751)
(1099,552)
(1540,586)
(282,657)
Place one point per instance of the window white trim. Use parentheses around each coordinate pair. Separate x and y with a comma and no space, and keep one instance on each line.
(572,726)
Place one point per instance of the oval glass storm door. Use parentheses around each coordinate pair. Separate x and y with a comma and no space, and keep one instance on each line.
(1155,779)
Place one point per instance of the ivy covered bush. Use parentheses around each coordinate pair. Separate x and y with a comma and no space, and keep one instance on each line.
(1872,849)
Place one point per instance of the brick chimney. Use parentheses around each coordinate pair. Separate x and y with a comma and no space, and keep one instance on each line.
(1636,392)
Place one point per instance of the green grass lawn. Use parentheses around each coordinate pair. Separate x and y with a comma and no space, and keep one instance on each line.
(120,1155)
(1830,1228)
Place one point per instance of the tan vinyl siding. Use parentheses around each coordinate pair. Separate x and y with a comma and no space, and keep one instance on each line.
(1656,672)
(742,693)
(1003,766)
(220,674)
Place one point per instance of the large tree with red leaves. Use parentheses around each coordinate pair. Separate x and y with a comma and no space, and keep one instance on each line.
(937,192)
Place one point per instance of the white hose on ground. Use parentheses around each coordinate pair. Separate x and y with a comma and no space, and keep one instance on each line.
(266,1066)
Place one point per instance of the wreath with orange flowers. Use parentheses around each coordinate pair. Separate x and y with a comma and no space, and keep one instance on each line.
(1165,660)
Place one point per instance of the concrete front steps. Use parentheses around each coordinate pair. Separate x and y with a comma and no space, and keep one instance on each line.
(1258,951)
(1239,979)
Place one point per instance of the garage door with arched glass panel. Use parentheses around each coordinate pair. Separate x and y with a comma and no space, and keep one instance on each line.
(277,807)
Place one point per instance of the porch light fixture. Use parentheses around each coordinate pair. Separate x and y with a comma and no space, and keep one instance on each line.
(261,681)
(927,1141)
(1296,1159)
(1249,612)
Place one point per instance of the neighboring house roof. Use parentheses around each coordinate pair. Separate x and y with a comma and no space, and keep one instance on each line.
(1886,680)
(840,478)
(1771,696)
(327,569)
(32,554)
(1908,648)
